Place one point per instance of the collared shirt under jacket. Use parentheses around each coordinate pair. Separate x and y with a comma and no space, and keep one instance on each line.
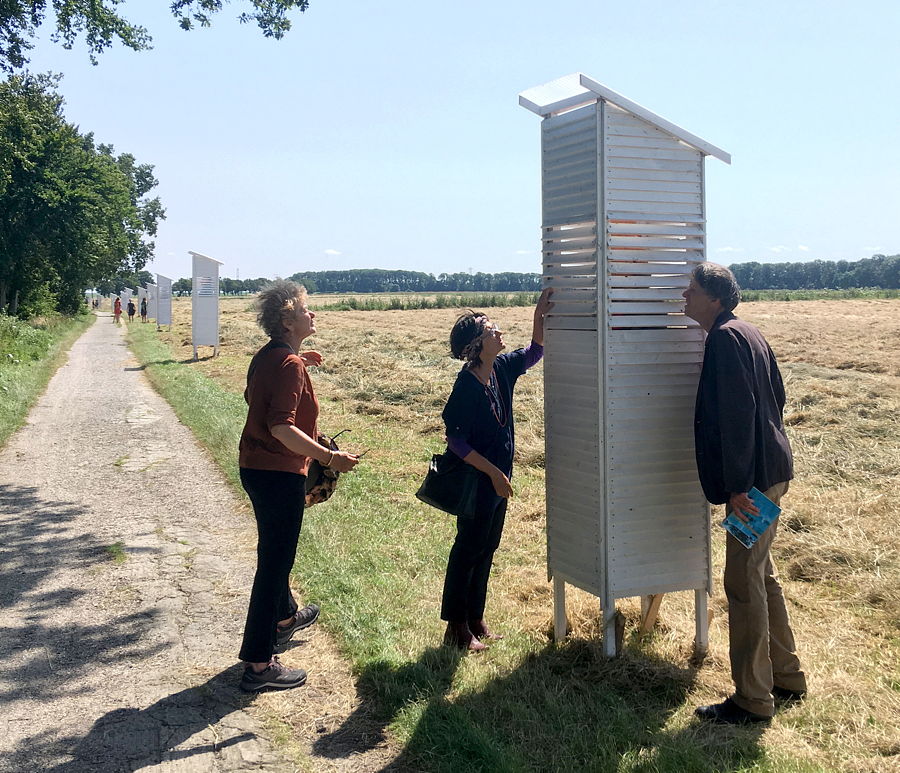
(738,429)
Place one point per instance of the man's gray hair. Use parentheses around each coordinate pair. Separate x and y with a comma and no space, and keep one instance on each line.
(719,284)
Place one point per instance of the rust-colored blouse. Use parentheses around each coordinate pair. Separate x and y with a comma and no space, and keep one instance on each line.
(278,392)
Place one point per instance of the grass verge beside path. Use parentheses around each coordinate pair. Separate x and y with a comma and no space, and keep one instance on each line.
(29,356)
(374,556)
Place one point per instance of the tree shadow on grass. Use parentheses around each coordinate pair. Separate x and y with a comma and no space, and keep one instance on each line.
(188,361)
(563,708)
(385,690)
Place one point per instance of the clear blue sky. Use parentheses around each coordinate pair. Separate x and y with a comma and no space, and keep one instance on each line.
(389,135)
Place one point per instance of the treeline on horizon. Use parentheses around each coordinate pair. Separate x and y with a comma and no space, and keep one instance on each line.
(879,271)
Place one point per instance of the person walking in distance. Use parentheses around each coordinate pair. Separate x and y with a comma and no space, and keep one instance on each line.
(741,443)
(117,311)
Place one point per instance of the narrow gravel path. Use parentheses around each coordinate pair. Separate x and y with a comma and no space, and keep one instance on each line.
(120,665)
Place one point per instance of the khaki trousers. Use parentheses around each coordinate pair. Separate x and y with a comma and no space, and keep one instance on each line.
(762,648)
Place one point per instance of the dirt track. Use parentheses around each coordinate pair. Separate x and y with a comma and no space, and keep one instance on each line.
(120,665)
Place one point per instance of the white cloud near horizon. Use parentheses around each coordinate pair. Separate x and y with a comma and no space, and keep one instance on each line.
(802,248)
(779,248)
(729,249)
(333,252)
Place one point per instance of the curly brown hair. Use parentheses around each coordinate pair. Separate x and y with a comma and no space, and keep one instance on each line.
(274,302)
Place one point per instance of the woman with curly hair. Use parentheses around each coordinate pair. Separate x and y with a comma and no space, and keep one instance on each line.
(479,422)
(277,445)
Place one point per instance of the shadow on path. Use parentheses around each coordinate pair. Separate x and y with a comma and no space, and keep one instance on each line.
(129,739)
(44,652)
(33,546)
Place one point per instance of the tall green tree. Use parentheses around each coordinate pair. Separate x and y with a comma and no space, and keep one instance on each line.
(72,213)
(98,21)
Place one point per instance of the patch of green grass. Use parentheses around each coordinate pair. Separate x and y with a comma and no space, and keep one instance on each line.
(30,354)
(116,552)
(375,556)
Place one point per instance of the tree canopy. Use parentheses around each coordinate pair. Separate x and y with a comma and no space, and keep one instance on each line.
(878,271)
(72,212)
(98,21)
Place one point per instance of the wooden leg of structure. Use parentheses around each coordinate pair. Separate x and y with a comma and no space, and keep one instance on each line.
(608,616)
(701,637)
(559,609)
(649,611)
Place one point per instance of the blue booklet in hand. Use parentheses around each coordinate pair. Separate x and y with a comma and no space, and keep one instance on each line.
(748,533)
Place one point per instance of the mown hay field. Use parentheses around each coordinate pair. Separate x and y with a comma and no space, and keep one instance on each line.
(378,554)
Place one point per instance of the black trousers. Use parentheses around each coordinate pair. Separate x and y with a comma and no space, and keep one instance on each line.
(277,499)
(469,565)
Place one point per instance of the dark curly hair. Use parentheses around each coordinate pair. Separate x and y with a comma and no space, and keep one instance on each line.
(468,326)
(719,284)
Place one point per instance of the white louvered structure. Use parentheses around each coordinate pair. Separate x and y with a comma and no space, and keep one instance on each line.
(623,227)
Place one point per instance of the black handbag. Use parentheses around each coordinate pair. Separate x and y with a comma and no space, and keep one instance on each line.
(450,485)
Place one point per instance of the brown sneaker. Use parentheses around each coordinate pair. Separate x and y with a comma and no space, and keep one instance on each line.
(276,676)
(303,618)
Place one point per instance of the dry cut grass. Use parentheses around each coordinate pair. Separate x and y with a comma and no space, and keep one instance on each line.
(387,373)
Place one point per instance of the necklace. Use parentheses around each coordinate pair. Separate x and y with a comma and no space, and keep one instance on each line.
(493,395)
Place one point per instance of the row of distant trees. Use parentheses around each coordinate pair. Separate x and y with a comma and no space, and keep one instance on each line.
(377,280)
(878,271)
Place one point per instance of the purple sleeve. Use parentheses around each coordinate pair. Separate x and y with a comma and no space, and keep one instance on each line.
(533,354)
(459,447)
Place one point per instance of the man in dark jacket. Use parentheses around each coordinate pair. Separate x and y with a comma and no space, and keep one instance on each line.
(741,444)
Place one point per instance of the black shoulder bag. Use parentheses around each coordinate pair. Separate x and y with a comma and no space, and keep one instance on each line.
(450,485)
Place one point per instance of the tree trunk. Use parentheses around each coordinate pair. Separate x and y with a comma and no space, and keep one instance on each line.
(2,297)
(14,306)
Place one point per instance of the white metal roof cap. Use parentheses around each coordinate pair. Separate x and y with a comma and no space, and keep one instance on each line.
(205,257)
(578,89)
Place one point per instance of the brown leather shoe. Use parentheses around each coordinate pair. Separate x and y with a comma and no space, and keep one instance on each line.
(459,635)
(480,629)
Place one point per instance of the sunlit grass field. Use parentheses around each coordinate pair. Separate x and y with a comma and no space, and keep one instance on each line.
(374,557)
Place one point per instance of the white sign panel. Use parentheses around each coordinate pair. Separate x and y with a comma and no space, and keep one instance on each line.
(152,294)
(205,302)
(162,301)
